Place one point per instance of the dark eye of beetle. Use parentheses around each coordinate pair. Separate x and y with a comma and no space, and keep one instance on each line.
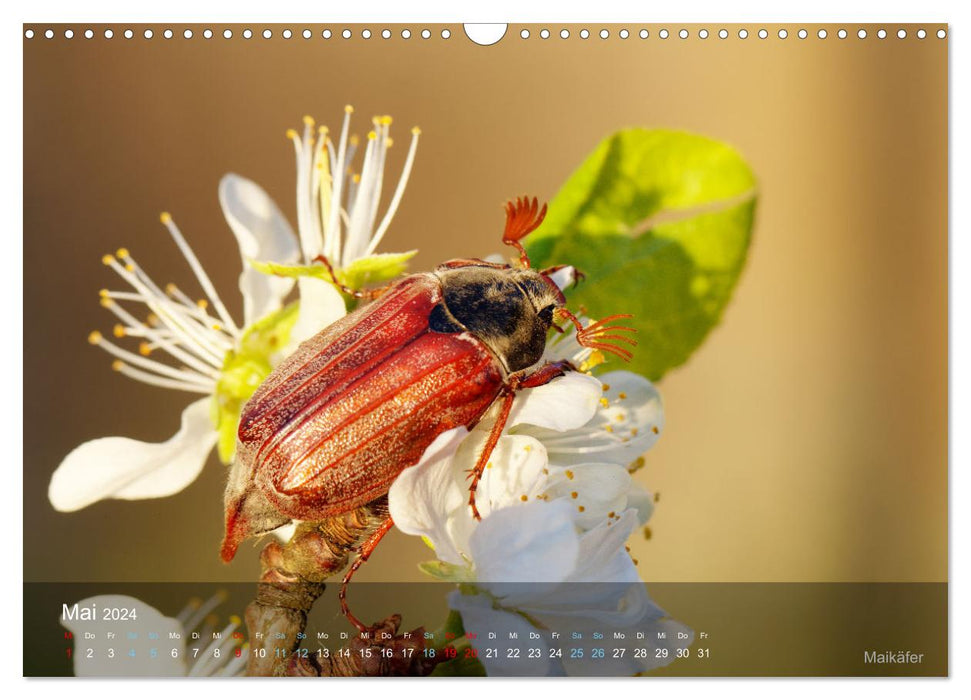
(546,314)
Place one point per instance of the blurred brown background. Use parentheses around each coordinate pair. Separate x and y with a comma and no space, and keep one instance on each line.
(805,441)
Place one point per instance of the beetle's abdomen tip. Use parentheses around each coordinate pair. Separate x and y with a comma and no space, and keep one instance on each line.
(236,532)
(228,550)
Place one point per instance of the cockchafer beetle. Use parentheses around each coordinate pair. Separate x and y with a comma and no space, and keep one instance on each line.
(333,426)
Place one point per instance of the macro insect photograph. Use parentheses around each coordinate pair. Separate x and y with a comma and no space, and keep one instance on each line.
(358,367)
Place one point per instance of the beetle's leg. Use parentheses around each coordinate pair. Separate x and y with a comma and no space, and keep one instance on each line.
(507,396)
(522,218)
(366,548)
(368,294)
(543,375)
(578,276)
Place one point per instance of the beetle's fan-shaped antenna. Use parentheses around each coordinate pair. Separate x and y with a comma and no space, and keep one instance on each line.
(522,218)
(598,334)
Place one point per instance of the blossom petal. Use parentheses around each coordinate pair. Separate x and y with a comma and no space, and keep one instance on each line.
(619,432)
(518,549)
(599,489)
(263,233)
(147,620)
(642,500)
(119,467)
(566,403)
(604,588)
(423,496)
(320,305)
(480,616)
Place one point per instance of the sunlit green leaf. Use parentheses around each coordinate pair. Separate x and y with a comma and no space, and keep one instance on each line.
(660,222)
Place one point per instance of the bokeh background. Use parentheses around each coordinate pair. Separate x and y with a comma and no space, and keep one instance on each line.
(805,441)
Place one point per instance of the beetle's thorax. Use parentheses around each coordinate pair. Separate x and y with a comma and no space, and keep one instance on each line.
(508,309)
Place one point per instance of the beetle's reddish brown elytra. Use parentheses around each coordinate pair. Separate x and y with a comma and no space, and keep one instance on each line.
(333,426)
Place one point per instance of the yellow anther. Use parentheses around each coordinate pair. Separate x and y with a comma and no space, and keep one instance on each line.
(119,330)
(371,135)
(108,259)
(386,120)
(234,619)
(606,387)
(621,395)
(322,130)
(415,130)
(202,304)
(569,475)
(633,432)
(354,139)
(349,109)
(609,428)
(106,302)
(620,418)
(654,429)
(171,289)
(144,348)
(195,603)
(604,402)
(151,320)
(117,365)
(103,293)
(217,327)
(527,448)
(611,514)
(129,267)
(165,217)
(524,498)
(489,465)
(657,496)
(636,464)
(545,470)
(388,142)
(581,508)
(308,120)
(573,494)
(95,337)
(356,178)
(292,134)
(122,253)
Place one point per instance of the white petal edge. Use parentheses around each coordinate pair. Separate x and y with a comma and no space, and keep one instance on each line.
(320,305)
(533,543)
(119,467)
(422,497)
(566,403)
(262,233)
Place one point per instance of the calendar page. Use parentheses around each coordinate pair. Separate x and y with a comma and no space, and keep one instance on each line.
(485,350)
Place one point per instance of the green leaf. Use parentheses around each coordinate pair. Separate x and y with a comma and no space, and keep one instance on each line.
(660,223)
(376,268)
(442,570)
(280,270)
